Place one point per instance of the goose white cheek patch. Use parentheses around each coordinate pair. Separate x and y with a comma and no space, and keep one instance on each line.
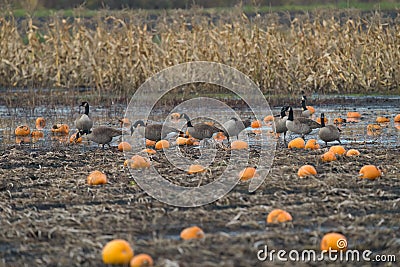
(142,105)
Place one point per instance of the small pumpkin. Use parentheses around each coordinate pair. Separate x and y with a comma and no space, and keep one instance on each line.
(354,114)
(278,216)
(370,172)
(175,116)
(268,118)
(124,122)
(219,136)
(256,124)
(37,134)
(40,123)
(181,141)
(22,130)
(196,169)
(96,178)
(247,173)
(162,144)
(72,139)
(124,146)
(328,156)
(306,170)
(193,232)
(239,144)
(333,241)
(117,252)
(137,162)
(319,120)
(382,119)
(312,144)
(352,153)
(297,143)
(397,118)
(62,129)
(191,141)
(149,151)
(311,109)
(141,260)
(339,121)
(338,150)
(150,142)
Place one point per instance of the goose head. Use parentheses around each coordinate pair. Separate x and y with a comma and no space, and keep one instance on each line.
(322,120)
(136,124)
(86,106)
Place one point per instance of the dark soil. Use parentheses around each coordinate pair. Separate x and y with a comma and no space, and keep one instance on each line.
(51,217)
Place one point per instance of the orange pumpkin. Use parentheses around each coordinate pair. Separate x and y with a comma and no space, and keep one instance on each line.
(338,150)
(268,118)
(354,120)
(370,172)
(72,139)
(319,120)
(40,123)
(193,232)
(219,136)
(149,151)
(278,216)
(239,144)
(141,260)
(352,152)
(382,119)
(22,130)
(96,178)
(61,129)
(333,241)
(339,121)
(150,142)
(397,126)
(312,144)
(374,129)
(247,173)
(328,156)
(181,141)
(397,118)
(311,109)
(192,141)
(137,162)
(124,146)
(175,116)
(306,170)
(124,122)
(353,114)
(297,143)
(37,134)
(256,124)
(117,252)
(196,169)
(162,144)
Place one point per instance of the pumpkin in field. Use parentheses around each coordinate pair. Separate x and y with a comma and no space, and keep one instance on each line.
(40,123)
(311,109)
(61,129)
(162,144)
(72,139)
(256,124)
(397,118)
(141,260)
(181,141)
(268,118)
(312,144)
(196,169)
(149,151)
(297,143)
(278,216)
(319,120)
(328,156)
(22,130)
(370,172)
(352,153)
(247,173)
(382,119)
(239,144)
(117,252)
(333,241)
(137,162)
(193,232)
(354,114)
(306,170)
(37,134)
(124,146)
(96,178)
(339,120)
(338,150)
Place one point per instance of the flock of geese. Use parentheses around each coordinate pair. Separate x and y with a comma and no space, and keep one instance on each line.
(283,123)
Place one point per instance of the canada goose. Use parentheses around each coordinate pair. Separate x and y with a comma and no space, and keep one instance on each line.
(306,112)
(153,132)
(201,130)
(280,123)
(234,127)
(101,135)
(84,123)
(328,133)
(301,126)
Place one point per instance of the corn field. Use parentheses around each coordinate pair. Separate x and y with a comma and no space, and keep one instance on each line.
(115,52)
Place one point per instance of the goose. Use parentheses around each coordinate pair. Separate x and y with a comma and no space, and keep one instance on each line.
(300,125)
(101,135)
(234,127)
(280,123)
(201,130)
(328,133)
(153,132)
(84,123)
(305,112)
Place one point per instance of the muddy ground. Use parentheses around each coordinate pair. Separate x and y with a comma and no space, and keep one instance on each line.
(51,217)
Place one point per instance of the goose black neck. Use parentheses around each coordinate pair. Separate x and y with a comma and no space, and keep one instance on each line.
(290,117)
(283,113)
(139,122)
(303,104)
(189,123)
(322,120)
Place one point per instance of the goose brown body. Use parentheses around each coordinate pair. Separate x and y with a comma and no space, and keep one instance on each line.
(234,127)
(201,130)
(300,125)
(84,123)
(328,133)
(102,135)
(153,132)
